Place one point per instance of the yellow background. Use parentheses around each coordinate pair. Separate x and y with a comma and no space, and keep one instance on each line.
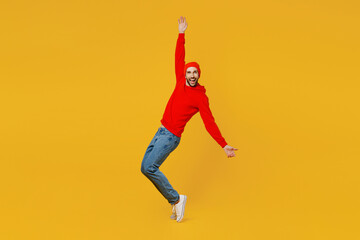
(83,86)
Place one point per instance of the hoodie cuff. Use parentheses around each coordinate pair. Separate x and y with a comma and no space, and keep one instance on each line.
(223,144)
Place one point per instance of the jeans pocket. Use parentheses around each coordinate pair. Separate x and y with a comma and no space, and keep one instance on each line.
(176,141)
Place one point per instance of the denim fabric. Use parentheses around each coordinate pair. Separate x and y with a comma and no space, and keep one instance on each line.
(163,143)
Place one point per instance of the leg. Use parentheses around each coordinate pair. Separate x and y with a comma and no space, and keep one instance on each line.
(163,143)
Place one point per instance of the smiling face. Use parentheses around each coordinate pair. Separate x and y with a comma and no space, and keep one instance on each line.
(192,76)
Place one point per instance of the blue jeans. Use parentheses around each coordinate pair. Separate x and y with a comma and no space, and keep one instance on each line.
(163,143)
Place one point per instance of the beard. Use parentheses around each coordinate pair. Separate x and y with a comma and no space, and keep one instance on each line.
(188,81)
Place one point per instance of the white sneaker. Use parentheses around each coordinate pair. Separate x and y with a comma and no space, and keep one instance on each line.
(180,208)
(173,215)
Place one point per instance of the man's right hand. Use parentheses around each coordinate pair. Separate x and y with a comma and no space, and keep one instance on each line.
(182,24)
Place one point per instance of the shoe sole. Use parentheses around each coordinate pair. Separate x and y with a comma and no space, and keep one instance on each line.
(183,210)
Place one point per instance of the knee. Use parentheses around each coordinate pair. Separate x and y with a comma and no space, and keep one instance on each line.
(148,170)
(143,169)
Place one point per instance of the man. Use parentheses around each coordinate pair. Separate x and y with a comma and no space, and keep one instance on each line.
(187,99)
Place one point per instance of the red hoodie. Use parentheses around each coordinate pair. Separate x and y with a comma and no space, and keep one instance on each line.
(186,101)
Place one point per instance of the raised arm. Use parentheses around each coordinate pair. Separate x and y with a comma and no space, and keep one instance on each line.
(180,50)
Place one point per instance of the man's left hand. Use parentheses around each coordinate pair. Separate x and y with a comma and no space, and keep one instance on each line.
(230,151)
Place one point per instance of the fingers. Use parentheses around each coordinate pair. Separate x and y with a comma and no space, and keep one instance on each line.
(230,151)
(230,154)
(182,20)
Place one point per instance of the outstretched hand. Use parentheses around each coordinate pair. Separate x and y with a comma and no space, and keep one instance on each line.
(230,151)
(182,24)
